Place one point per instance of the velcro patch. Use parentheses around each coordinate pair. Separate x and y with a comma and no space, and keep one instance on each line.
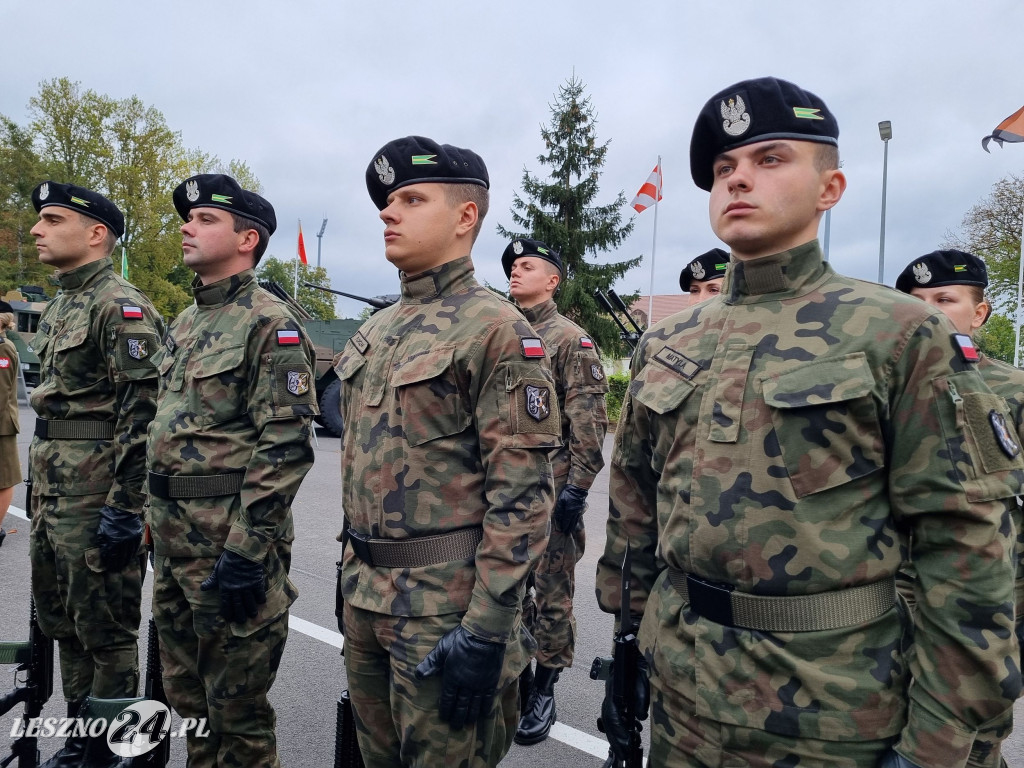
(134,351)
(5,362)
(138,348)
(965,346)
(360,342)
(538,402)
(678,362)
(532,347)
(129,312)
(586,343)
(288,338)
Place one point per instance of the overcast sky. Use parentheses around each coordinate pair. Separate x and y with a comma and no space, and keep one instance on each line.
(306,92)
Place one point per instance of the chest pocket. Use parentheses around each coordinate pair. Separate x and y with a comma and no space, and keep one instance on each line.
(76,359)
(217,386)
(662,390)
(826,422)
(428,395)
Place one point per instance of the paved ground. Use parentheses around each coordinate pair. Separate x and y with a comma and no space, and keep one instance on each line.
(312,673)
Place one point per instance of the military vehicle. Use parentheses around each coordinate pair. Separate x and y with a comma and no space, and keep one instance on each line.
(28,303)
(328,337)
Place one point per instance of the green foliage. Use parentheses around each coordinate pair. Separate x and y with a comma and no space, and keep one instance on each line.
(320,304)
(123,149)
(995,338)
(562,212)
(618,384)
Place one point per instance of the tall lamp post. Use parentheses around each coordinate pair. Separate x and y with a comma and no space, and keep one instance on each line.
(885,133)
(319,241)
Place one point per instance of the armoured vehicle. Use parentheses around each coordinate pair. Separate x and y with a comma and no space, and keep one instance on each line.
(28,302)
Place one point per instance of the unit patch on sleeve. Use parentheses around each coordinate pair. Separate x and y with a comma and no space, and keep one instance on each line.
(298,382)
(532,347)
(597,372)
(138,348)
(538,402)
(1003,435)
(286,338)
(965,346)
(129,312)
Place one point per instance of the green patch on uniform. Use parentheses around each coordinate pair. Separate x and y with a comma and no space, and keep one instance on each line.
(293,384)
(959,267)
(424,160)
(721,267)
(226,199)
(807,113)
(135,351)
(535,408)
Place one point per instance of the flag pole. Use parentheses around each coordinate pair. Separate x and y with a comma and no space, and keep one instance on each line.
(295,291)
(1020,293)
(654,245)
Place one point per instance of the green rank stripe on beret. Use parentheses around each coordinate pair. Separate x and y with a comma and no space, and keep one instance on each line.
(85,201)
(524,246)
(756,110)
(217,190)
(419,160)
(939,268)
(708,266)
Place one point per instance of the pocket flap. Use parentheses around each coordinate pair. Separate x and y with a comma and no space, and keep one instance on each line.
(349,364)
(73,338)
(424,366)
(221,361)
(832,380)
(660,388)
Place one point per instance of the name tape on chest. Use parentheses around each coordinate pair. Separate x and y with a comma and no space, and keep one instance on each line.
(678,362)
(532,347)
(288,338)
(965,346)
(129,312)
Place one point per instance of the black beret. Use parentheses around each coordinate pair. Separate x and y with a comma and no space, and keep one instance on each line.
(526,247)
(418,160)
(85,201)
(707,266)
(940,268)
(756,110)
(216,190)
(5,307)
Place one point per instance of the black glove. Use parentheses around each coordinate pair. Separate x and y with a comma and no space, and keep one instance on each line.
(569,508)
(893,759)
(242,585)
(471,668)
(119,534)
(619,733)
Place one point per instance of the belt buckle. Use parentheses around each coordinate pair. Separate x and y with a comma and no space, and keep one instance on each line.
(711,599)
(361,546)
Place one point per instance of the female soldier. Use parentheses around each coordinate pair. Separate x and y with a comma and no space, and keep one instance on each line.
(10,470)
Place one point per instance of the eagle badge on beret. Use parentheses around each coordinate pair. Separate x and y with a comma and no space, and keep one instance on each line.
(921,273)
(44,191)
(385,172)
(735,118)
(137,348)
(192,190)
(517,247)
(298,382)
(538,402)
(698,270)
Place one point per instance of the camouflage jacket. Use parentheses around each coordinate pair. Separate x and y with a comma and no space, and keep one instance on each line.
(581,386)
(236,395)
(8,387)
(96,342)
(779,439)
(450,422)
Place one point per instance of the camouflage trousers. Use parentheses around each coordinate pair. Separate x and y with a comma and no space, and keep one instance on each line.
(93,614)
(218,671)
(550,618)
(396,714)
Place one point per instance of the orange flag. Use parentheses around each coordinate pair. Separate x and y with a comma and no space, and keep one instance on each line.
(302,246)
(1011,130)
(650,192)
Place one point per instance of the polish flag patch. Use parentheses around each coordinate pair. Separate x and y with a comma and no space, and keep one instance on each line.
(532,347)
(968,351)
(288,337)
(5,362)
(131,313)
(586,343)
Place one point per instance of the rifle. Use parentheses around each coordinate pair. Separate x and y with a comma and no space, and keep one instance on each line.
(631,337)
(35,659)
(346,748)
(622,669)
(160,755)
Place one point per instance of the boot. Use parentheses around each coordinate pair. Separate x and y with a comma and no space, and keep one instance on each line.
(73,751)
(98,754)
(525,688)
(539,713)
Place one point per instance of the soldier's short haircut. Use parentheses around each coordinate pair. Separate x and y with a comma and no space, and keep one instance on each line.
(826,157)
(456,194)
(111,242)
(243,223)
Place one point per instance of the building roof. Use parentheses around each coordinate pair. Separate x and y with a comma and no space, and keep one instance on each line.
(664,305)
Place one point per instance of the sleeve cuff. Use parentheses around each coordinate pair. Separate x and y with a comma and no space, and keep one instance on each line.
(247,543)
(488,620)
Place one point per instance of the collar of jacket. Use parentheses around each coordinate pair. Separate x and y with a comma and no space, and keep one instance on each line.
(446,280)
(79,277)
(221,292)
(538,313)
(783,275)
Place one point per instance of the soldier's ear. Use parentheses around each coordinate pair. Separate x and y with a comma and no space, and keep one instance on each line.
(833,184)
(248,239)
(468,215)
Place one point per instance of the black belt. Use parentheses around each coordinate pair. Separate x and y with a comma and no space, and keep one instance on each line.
(722,604)
(416,552)
(194,486)
(74,429)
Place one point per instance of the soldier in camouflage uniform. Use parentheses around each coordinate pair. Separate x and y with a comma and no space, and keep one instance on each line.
(96,396)
(229,447)
(450,422)
(775,447)
(534,273)
(954,282)
(702,278)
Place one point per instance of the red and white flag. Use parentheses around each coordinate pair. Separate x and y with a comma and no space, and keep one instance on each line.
(650,192)
(302,246)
